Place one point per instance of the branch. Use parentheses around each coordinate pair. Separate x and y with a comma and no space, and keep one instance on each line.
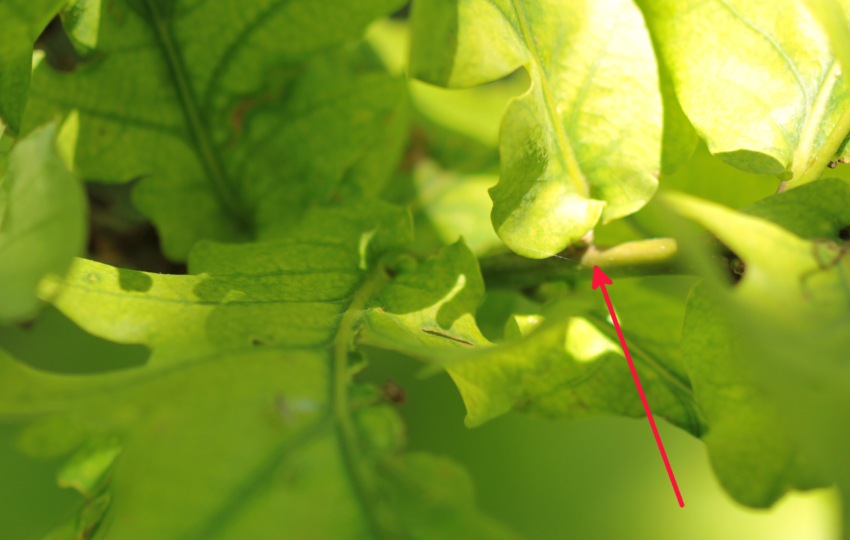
(656,256)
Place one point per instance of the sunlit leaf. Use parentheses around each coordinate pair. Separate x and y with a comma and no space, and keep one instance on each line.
(758,81)
(243,423)
(23,21)
(558,365)
(583,143)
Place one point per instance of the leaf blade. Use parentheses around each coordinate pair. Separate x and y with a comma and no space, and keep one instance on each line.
(594,85)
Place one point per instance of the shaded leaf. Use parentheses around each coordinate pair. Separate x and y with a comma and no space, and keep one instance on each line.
(679,139)
(750,447)
(23,22)
(768,354)
(457,205)
(214,105)
(42,221)
(583,143)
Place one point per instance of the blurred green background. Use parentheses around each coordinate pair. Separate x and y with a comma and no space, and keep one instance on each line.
(600,478)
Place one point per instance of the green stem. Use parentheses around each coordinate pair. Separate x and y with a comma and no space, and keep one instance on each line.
(656,256)
(362,480)
(808,166)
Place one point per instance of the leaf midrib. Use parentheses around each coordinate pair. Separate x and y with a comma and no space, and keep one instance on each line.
(565,149)
(219,180)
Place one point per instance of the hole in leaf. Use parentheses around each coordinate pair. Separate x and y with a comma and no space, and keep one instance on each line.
(120,236)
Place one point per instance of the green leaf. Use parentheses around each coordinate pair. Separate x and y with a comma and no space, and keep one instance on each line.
(87,468)
(750,446)
(458,128)
(583,143)
(81,20)
(758,81)
(811,212)
(214,106)
(42,221)
(457,205)
(430,308)
(679,140)
(565,367)
(241,295)
(243,425)
(23,22)
(766,356)
(83,524)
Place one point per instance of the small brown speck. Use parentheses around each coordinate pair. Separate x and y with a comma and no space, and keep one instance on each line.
(394,393)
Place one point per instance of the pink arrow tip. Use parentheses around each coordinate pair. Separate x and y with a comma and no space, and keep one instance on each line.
(599,278)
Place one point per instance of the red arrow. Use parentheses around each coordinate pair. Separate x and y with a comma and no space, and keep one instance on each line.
(600,280)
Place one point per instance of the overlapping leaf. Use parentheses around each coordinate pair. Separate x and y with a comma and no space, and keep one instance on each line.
(42,220)
(215,105)
(772,349)
(759,81)
(583,143)
(230,431)
(558,366)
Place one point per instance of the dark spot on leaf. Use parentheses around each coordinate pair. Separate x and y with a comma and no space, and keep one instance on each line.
(844,233)
(133,280)
(257,342)
(447,336)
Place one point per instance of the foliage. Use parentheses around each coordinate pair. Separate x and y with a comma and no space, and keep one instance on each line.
(327,203)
